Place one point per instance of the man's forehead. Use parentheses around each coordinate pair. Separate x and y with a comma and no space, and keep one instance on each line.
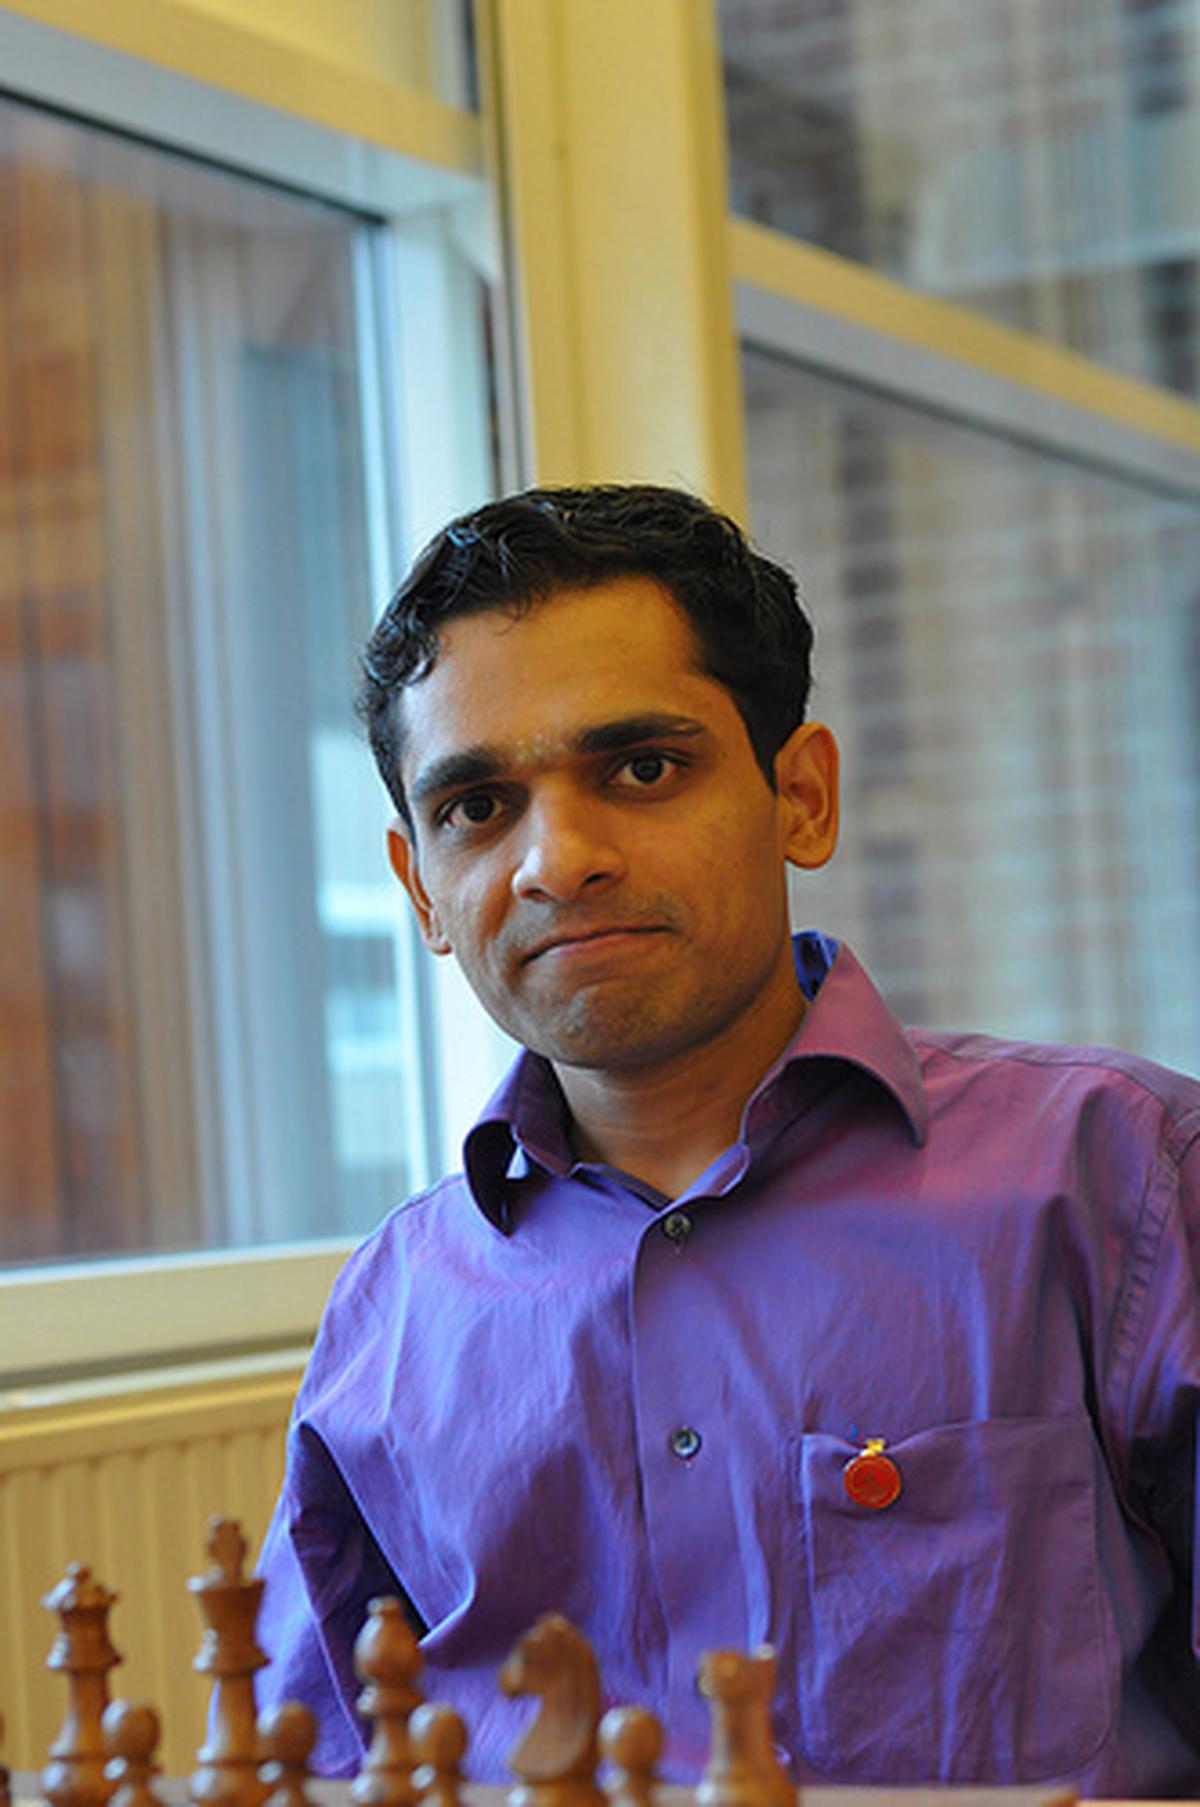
(530,692)
(574,609)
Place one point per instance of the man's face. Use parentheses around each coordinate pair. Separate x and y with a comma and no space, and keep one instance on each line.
(592,837)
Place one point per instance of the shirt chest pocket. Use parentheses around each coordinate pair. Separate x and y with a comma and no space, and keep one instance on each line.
(960,1633)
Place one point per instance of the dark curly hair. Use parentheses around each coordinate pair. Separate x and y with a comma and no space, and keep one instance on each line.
(753,635)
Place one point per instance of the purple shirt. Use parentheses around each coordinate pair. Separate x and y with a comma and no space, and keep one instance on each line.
(544,1386)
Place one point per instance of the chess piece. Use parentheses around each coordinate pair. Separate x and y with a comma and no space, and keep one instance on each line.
(226,1773)
(5,1779)
(387,1660)
(286,1735)
(131,1739)
(631,1740)
(439,1742)
(555,1761)
(82,1651)
(743,1770)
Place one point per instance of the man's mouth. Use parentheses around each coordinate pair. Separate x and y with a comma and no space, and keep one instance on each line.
(594,938)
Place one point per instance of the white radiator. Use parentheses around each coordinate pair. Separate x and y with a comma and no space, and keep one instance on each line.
(126,1481)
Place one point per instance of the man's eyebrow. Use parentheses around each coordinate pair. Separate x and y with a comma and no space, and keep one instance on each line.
(481,763)
(632,730)
(470,765)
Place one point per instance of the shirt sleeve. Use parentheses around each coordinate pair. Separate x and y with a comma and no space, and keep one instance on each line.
(1163,1411)
(322,1568)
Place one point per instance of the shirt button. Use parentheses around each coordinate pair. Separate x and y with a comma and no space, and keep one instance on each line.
(685,1442)
(677,1225)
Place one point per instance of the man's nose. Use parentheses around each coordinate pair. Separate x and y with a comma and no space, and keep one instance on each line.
(568,848)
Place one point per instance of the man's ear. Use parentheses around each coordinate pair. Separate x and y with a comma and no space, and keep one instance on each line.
(806,780)
(402,853)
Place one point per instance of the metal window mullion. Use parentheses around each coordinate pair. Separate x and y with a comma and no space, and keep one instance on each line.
(949,386)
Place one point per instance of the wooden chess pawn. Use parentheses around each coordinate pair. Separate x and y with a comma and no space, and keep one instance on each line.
(226,1773)
(75,1775)
(387,1659)
(555,1762)
(631,1740)
(439,1742)
(286,1735)
(743,1770)
(131,1738)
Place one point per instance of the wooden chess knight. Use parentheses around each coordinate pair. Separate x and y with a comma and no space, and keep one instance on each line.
(556,1759)
(104,1753)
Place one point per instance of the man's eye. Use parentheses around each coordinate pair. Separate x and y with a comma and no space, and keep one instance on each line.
(646,769)
(473,811)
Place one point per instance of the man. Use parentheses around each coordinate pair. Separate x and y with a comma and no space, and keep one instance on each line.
(752,1316)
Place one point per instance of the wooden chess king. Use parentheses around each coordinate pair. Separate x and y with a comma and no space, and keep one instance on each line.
(104,1753)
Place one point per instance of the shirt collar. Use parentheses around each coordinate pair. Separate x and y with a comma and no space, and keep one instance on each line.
(848,1021)
(524,1123)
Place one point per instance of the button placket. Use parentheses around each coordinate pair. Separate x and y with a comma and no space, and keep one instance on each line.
(688,1502)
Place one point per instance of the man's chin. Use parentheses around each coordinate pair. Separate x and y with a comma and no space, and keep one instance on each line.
(601,1038)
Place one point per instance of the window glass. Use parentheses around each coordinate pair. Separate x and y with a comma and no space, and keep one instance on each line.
(1009,646)
(1033,159)
(209,1008)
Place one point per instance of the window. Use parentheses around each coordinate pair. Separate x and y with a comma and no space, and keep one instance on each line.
(1000,542)
(215,1033)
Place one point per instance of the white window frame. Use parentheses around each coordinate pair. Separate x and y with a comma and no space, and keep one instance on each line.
(423,178)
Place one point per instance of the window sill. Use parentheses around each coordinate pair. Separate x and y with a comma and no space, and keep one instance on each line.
(114,1324)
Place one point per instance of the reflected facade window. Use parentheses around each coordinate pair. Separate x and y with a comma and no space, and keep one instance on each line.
(1007,645)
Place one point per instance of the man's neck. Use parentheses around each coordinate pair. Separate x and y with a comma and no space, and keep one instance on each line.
(666,1124)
